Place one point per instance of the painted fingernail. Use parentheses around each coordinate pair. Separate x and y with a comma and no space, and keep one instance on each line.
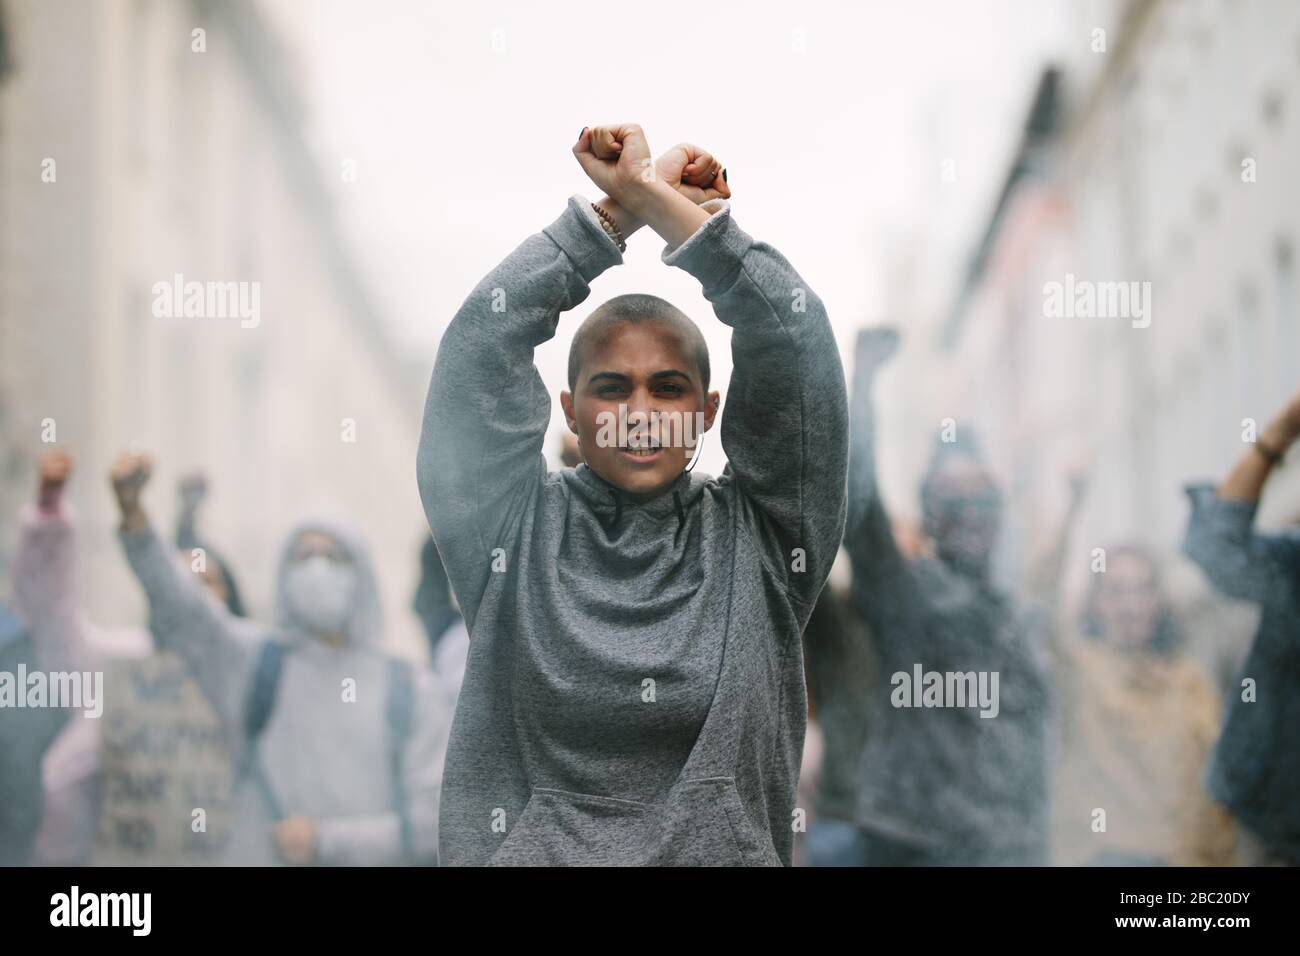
(584,129)
(724,175)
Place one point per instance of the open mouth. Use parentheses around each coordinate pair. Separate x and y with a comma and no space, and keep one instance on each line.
(640,453)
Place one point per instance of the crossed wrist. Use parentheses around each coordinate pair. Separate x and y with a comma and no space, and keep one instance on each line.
(641,197)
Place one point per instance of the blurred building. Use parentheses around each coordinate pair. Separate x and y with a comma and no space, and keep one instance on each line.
(145,139)
(1161,150)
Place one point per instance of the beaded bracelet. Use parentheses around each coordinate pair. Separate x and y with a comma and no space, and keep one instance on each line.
(611,227)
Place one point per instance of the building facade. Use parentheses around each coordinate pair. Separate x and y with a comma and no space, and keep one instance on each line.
(142,141)
(1154,170)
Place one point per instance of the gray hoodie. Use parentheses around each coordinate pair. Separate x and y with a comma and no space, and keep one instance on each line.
(634,692)
(956,787)
(324,757)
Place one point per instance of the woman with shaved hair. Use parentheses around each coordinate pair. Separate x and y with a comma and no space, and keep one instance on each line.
(634,692)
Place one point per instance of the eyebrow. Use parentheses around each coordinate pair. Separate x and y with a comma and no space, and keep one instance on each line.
(620,377)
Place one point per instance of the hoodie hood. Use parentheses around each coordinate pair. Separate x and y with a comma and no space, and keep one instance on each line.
(364,623)
(614,507)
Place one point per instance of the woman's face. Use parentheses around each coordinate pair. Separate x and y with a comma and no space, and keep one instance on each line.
(964,514)
(1127,602)
(309,544)
(638,407)
(321,585)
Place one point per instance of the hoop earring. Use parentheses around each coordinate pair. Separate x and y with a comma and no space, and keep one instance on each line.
(699,446)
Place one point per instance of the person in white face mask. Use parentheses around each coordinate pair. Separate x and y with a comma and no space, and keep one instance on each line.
(321,586)
(339,746)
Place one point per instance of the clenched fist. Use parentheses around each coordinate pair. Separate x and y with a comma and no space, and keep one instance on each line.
(616,158)
(129,474)
(693,172)
(54,468)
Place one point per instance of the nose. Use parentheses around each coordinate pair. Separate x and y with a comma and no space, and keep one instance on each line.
(640,402)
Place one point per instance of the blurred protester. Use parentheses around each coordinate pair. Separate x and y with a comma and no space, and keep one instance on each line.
(25,735)
(841,677)
(1137,719)
(216,573)
(570,452)
(944,780)
(433,603)
(64,640)
(443,626)
(80,766)
(163,753)
(338,744)
(1255,768)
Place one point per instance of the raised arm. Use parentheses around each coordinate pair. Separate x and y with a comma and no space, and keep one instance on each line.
(181,617)
(784,429)
(1221,537)
(45,586)
(884,590)
(480,458)
(1045,576)
(1246,480)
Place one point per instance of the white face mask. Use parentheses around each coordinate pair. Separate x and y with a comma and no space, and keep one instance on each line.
(320,593)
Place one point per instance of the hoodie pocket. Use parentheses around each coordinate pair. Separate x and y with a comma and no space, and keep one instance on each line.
(701,823)
(705,824)
(559,828)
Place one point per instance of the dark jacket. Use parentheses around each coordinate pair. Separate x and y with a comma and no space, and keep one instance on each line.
(1255,768)
(967,789)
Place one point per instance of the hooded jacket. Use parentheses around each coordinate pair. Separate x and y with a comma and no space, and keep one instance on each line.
(964,788)
(634,692)
(324,756)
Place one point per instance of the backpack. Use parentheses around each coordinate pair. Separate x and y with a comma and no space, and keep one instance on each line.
(261,703)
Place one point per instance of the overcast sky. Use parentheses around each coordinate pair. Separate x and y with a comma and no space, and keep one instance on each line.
(833,119)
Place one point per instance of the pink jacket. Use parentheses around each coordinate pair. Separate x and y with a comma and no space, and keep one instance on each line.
(46,594)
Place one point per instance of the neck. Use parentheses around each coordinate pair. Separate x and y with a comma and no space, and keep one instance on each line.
(644,496)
